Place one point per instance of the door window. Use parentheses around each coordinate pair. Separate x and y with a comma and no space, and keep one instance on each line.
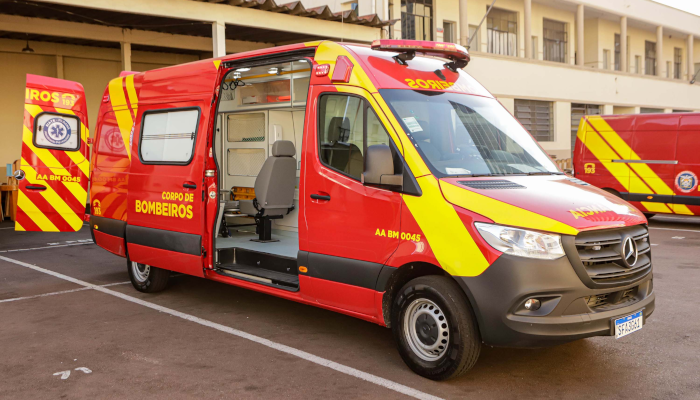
(57,131)
(347,127)
(168,136)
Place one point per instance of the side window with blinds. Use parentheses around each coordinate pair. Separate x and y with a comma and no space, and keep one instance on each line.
(168,136)
(536,117)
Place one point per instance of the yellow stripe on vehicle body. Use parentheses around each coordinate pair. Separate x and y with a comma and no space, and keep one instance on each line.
(121,111)
(656,207)
(131,92)
(53,198)
(77,156)
(453,246)
(503,213)
(34,213)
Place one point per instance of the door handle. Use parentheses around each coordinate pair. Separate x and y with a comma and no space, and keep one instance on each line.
(35,187)
(189,185)
(320,197)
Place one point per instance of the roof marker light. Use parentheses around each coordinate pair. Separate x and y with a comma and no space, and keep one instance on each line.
(342,70)
(323,69)
(407,49)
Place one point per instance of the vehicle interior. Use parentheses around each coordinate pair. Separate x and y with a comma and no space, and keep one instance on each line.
(258,140)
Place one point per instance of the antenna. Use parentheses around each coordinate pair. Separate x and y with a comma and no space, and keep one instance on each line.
(480,23)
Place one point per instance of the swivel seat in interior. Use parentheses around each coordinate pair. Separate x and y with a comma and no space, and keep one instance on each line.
(274,190)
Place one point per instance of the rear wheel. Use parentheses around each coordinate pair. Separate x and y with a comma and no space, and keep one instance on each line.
(146,278)
(434,328)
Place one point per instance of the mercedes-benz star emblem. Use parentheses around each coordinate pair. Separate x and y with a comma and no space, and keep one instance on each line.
(629,252)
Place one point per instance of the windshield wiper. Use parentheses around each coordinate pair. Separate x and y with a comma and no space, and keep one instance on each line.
(545,173)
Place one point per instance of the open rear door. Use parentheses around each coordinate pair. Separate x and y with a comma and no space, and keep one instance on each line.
(55,166)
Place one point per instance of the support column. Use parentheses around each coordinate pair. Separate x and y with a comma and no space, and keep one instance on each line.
(579,36)
(624,62)
(528,28)
(59,67)
(608,109)
(126,56)
(218,36)
(689,55)
(659,50)
(463,23)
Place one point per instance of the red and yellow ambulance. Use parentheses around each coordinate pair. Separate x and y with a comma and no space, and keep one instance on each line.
(381,181)
(650,160)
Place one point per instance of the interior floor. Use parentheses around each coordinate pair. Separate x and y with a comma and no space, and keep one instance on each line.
(287,246)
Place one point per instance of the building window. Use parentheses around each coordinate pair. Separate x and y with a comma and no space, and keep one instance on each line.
(649,58)
(417,19)
(579,111)
(474,37)
(606,59)
(391,16)
(535,54)
(502,32)
(617,53)
(448,32)
(637,64)
(555,40)
(536,117)
(668,69)
(647,110)
(677,62)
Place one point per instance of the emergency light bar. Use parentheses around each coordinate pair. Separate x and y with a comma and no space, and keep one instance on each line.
(407,49)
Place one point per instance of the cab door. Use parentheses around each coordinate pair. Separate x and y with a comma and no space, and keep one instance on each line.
(346,227)
(55,168)
(165,197)
(687,198)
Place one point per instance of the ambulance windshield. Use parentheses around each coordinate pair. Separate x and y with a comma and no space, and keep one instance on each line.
(460,134)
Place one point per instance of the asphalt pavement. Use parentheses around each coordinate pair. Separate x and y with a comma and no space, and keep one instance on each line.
(72,326)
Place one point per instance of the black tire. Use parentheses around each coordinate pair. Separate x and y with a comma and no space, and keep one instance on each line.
(649,215)
(463,340)
(147,279)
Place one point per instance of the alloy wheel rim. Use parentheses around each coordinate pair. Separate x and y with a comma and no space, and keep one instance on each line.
(140,271)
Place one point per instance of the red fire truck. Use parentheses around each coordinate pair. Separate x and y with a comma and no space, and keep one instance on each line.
(381,181)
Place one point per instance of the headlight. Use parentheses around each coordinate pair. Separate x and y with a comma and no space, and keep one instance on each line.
(521,242)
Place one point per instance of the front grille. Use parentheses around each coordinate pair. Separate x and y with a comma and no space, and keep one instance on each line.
(614,299)
(491,184)
(600,255)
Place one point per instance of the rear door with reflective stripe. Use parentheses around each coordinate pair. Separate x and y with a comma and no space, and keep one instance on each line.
(54,161)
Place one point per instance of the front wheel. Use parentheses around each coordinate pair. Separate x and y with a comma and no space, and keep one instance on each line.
(434,328)
(146,278)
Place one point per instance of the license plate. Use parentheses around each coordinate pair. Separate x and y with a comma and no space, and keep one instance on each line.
(626,325)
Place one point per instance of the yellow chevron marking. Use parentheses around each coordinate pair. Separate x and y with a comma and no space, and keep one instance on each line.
(217,63)
(121,111)
(76,156)
(681,209)
(19,227)
(642,170)
(53,198)
(34,213)
(503,213)
(445,232)
(656,207)
(54,165)
(328,52)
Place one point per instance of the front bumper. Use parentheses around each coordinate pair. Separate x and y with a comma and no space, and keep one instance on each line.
(498,294)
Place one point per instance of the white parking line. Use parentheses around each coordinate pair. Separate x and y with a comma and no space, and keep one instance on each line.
(672,229)
(61,292)
(391,385)
(45,247)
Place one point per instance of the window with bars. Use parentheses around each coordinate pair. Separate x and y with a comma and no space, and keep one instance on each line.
(536,117)
(617,52)
(555,40)
(502,32)
(579,111)
(677,62)
(448,29)
(649,58)
(417,19)
(474,38)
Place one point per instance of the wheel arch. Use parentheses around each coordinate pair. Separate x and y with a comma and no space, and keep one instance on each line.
(407,272)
